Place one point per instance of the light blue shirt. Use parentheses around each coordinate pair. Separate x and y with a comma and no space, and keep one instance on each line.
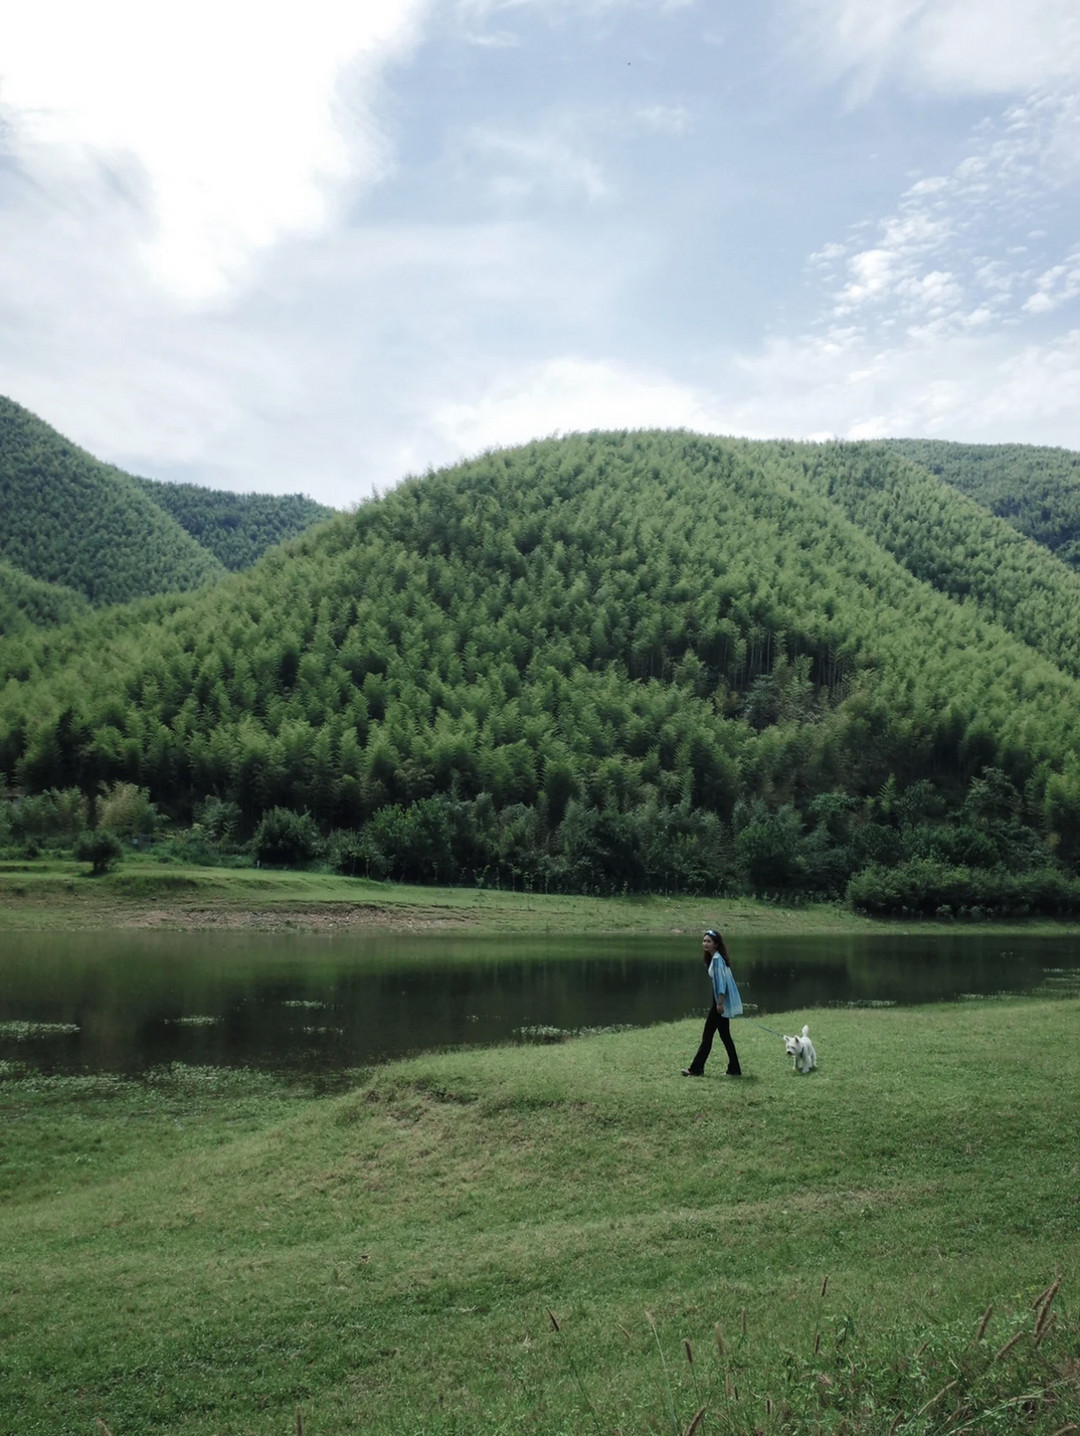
(724,989)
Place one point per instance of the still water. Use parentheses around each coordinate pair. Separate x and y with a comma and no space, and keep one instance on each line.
(323,1003)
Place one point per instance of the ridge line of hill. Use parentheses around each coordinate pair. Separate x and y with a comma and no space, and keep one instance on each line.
(70,520)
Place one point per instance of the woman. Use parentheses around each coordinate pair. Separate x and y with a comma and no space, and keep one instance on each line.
(726,1004)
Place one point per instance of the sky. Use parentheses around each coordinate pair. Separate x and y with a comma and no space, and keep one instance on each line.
(314,249)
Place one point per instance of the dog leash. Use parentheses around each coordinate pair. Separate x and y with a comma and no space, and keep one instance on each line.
(768,1029)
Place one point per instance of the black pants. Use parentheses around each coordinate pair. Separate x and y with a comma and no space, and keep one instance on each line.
(715,1023)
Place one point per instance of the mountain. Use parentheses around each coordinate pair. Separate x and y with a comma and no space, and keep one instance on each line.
(1035,490)
(958,547)
(609,659)
(236,528)
(69,519)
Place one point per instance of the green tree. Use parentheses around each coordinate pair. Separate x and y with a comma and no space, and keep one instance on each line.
(101,849)
(286,839)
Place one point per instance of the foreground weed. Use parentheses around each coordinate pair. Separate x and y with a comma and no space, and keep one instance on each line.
(936,1382)
(572,1364)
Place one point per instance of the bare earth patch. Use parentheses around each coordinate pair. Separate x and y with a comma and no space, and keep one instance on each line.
(322,917)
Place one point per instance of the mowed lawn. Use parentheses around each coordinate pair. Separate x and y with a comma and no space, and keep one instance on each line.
(562,1239)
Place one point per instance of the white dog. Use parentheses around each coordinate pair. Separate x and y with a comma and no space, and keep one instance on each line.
(801,1049)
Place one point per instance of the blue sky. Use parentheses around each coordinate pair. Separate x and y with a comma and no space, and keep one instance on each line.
(316,248)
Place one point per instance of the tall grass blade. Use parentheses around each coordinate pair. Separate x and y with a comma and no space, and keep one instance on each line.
(695,1422)
(935,1399)
(663,1367)
(1003,1351)
(568,1354)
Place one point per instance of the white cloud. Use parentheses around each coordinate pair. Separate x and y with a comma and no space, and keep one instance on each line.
(828,254)
(978,389)
(964,386)
(936,293)
(872,274)
(187,289)
(551,161)
(953,46)
(329,372)
(667,119)
(1056,286)
(568,394)
(948,255)
(564,155)
(494,39)
(474,10)
(225,119)
(933,316)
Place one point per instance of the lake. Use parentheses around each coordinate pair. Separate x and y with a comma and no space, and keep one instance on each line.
(325,1004)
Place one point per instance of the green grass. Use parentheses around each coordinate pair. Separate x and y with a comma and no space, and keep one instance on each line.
(386,1261)
(56,893)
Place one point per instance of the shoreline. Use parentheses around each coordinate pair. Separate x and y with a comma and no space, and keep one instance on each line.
(58,895)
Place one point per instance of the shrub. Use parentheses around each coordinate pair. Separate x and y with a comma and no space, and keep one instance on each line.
(767,848)
(925,886)
(50,819)
(354,855)
(219,819)
(601,849)
(127,811)
(194,845)
(286,839)
(100,849)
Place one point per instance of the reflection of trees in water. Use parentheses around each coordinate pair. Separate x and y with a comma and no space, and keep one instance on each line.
(311,1006)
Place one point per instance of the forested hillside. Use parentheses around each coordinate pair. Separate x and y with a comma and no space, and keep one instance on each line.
(66,518)
(640,660)
(1036,490)
(69,520)
(26,602)
(958,547)
(236,528)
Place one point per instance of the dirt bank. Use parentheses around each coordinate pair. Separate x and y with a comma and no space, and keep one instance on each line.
(321,917)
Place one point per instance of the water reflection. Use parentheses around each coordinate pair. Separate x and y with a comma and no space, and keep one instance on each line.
(318,1003)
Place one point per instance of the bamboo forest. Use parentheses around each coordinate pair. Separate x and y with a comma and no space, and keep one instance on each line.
(610,662)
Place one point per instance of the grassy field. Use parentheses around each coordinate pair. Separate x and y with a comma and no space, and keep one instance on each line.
(56,893)
(53,893)
(563,1239)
